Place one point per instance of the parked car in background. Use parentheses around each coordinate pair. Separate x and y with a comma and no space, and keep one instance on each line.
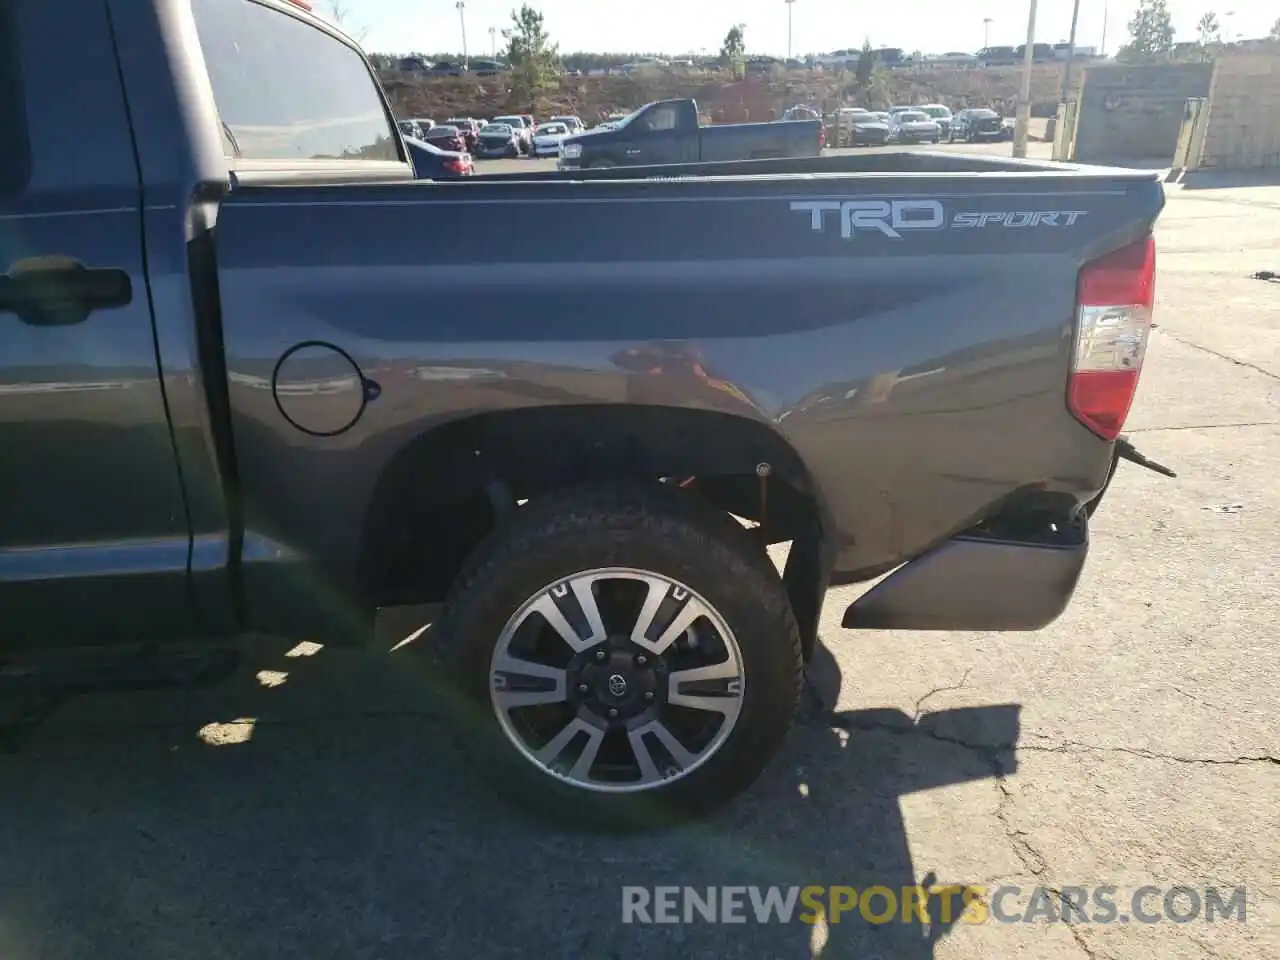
(424,123)
(869,129)
(997,56)
(839,125)
(410,128)
(432,163)
(468,127)
(498,140)
(446,68)
(955,59)
(800,112)
(883,117)
(574,123)
(446,137)
(1067,51)
(523,129)
(915,126)
(940,115)
(547,138)
(644,65)
(1040,52)
(487,68)
(977,124)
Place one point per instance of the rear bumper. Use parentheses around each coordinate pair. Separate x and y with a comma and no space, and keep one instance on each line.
(979,581)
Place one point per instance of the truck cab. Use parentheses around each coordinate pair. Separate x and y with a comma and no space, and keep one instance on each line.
(662,132)
(669,131)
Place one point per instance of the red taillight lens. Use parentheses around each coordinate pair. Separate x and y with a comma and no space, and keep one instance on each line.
(1115,295)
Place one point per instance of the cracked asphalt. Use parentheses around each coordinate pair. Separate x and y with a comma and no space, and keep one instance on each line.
(314,805)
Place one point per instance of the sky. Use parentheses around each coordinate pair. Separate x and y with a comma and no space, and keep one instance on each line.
(818,26)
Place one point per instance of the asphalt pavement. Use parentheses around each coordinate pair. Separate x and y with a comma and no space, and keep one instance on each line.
(315,806)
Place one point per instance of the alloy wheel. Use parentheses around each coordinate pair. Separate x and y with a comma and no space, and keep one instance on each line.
(617,680)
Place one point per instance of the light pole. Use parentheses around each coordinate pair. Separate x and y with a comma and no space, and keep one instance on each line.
(1071,53)
(462,19)
(986,32)
(493,41)
(790,4)
(1105,17)
(1023,120)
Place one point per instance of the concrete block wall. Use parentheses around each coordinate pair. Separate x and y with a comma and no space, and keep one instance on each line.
(1130,113)
(1244,113)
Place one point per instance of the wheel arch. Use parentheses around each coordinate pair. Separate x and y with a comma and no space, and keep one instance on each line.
(443,491)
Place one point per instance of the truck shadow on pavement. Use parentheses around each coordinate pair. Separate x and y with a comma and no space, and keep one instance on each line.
(314,806)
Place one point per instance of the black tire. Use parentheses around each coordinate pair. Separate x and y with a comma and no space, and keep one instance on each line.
(649,528)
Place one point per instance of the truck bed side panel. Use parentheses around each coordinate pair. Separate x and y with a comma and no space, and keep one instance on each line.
(914,356)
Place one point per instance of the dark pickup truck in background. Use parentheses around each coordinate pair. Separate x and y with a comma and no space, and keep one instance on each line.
(668,131)
(228,402)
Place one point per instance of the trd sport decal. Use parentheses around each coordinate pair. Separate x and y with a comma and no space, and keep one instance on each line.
(893,218)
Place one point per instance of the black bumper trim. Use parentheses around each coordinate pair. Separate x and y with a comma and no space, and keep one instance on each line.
(975,583)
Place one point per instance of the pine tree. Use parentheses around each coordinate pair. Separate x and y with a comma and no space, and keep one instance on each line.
(866,64)
(1150,32)
(530,54)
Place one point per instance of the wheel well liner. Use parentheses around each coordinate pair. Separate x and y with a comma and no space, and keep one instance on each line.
(441,493)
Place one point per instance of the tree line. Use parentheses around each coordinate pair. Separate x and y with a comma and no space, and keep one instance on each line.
(1151,35)
(534,60)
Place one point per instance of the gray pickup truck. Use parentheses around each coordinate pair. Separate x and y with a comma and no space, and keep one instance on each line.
(241,389)
(668,131)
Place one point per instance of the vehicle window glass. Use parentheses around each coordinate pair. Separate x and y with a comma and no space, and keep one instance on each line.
(660,118)
(15,154)
(287,90)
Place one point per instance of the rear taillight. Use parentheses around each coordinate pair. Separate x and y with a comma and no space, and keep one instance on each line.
(1114,297)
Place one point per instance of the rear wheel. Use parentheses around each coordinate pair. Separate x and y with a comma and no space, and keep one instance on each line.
(626,656)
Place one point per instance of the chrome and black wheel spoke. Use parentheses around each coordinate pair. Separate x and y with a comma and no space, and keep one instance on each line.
(617,680)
